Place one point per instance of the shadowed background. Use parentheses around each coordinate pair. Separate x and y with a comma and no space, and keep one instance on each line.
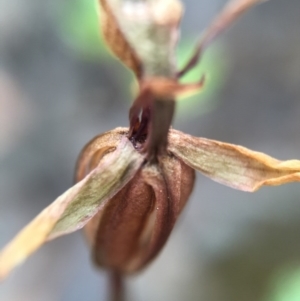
(59,88)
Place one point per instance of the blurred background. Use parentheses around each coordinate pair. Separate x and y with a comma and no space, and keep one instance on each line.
(59,87)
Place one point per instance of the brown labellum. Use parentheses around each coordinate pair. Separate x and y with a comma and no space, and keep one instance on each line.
(130,230)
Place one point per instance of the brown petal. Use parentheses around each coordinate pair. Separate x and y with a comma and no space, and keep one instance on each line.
(232,165)
(232,11)
(74,208)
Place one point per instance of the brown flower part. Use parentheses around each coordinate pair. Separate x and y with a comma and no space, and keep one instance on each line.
(130,206)
(133,183)
(115,39)
(230,13)
(232,165)
(74,208)
(143,35)
(133,226)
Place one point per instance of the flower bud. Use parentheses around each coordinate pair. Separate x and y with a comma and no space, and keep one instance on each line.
(132,227)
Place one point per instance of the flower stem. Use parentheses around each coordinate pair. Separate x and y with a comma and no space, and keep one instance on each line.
(116,290)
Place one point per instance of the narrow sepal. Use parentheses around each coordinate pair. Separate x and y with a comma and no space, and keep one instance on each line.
(74,208)
(232,165)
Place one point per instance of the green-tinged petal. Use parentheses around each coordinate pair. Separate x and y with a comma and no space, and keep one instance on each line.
(74,208)
(232,165)
(143,34)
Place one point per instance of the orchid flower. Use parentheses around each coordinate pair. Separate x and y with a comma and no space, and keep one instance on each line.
(132,183)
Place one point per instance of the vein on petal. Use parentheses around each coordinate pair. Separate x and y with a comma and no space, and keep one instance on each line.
(232,165)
